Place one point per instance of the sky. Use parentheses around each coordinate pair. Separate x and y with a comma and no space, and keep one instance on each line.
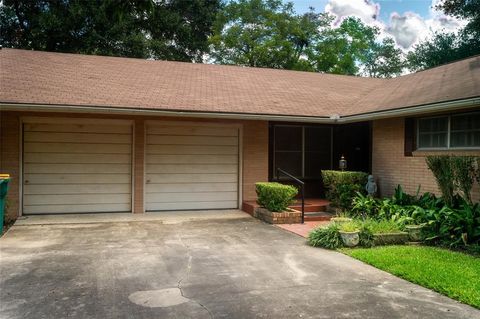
(407,21)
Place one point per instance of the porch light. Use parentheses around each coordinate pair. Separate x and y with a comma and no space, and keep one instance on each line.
(342,163)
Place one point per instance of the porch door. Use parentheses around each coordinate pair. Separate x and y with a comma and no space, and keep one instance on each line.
(304,151)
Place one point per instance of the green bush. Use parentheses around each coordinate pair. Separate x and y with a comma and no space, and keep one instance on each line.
(383,226)
(341,186)
(275,197)
(454,175)
(326,237)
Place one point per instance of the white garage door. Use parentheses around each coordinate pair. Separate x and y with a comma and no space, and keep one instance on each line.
(191,166)
(76,166)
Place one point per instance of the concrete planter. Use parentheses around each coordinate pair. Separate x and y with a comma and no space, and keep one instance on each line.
(399,238)
(415,232)
(287,217)
(350,239)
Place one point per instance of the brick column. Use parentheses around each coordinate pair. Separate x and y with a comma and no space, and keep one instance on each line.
(139,168)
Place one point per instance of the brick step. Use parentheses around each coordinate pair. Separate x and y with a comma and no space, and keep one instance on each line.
(312,205)
(317,216)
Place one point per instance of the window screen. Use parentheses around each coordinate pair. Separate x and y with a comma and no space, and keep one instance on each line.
(465,130)
(433,132)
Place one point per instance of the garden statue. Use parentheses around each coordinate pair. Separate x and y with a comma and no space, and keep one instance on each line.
(371,186)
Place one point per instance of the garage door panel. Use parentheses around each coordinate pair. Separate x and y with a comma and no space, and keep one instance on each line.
(193,168)
(39,147)
(192,140)
(61,189)
(42,179)
(191,188)
(191,178)
(84,208)
(77,128)
(192,149)
(192,130)
(66,158)
(77,168)
(77,137)
(76,199)
(192,159)
(182,197)
(191,205)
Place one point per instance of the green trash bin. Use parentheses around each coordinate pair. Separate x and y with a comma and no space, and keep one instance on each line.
(4,179)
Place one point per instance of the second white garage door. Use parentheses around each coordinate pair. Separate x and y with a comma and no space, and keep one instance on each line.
(191,166)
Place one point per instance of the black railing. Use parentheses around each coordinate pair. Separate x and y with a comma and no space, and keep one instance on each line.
(302,188)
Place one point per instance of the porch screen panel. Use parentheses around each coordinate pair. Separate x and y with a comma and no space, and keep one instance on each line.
(318,144)
(288,149)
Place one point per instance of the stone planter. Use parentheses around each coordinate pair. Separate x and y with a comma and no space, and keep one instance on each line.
(340,220)
(287,217)
(399,238)
(415,232)
(350,239)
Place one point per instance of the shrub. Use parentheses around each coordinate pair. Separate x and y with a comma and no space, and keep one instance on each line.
(275,197)
(442,170)
(342,186)
(464,172)
(349,227)
(326,237)
(383,226)
(364,206)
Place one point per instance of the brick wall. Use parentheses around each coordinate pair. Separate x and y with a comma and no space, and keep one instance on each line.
(391,167)
(255,153)
(9,159)
(255,156)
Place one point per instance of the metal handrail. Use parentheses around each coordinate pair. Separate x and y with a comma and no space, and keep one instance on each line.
(302,188)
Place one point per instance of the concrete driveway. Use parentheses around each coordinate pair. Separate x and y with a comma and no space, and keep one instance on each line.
(211,268)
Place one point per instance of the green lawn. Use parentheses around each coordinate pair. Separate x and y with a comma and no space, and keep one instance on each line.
(450,273)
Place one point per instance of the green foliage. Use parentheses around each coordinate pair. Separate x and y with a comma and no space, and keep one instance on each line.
(275,197)
(349,227)
(342,186)
(269,33)
(382,226)
(173,30)
(451,273)
(326,237)
(442,170)
(454,174)
(464,172)
(364,206)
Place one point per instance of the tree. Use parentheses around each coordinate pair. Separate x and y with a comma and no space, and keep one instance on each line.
(384,60)
(447,47)
(463,9)
(176,29)
(268,33)
(264,33)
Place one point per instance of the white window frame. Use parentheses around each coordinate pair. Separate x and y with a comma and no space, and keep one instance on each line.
(449,131)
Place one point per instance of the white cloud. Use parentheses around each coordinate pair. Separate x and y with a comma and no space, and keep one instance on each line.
(407,28)
(363,9)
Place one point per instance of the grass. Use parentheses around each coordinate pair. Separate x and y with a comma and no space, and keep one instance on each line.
(451,273)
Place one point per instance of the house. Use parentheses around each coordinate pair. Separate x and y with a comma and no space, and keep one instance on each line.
(106,134)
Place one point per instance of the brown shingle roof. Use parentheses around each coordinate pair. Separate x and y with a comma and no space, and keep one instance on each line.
(35,77)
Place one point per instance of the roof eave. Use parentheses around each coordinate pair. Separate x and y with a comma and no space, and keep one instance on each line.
(334,119)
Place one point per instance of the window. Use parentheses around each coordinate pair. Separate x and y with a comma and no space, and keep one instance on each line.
(444,132)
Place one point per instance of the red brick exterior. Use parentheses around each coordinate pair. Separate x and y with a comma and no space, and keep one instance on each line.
(254,150)
(391,167)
